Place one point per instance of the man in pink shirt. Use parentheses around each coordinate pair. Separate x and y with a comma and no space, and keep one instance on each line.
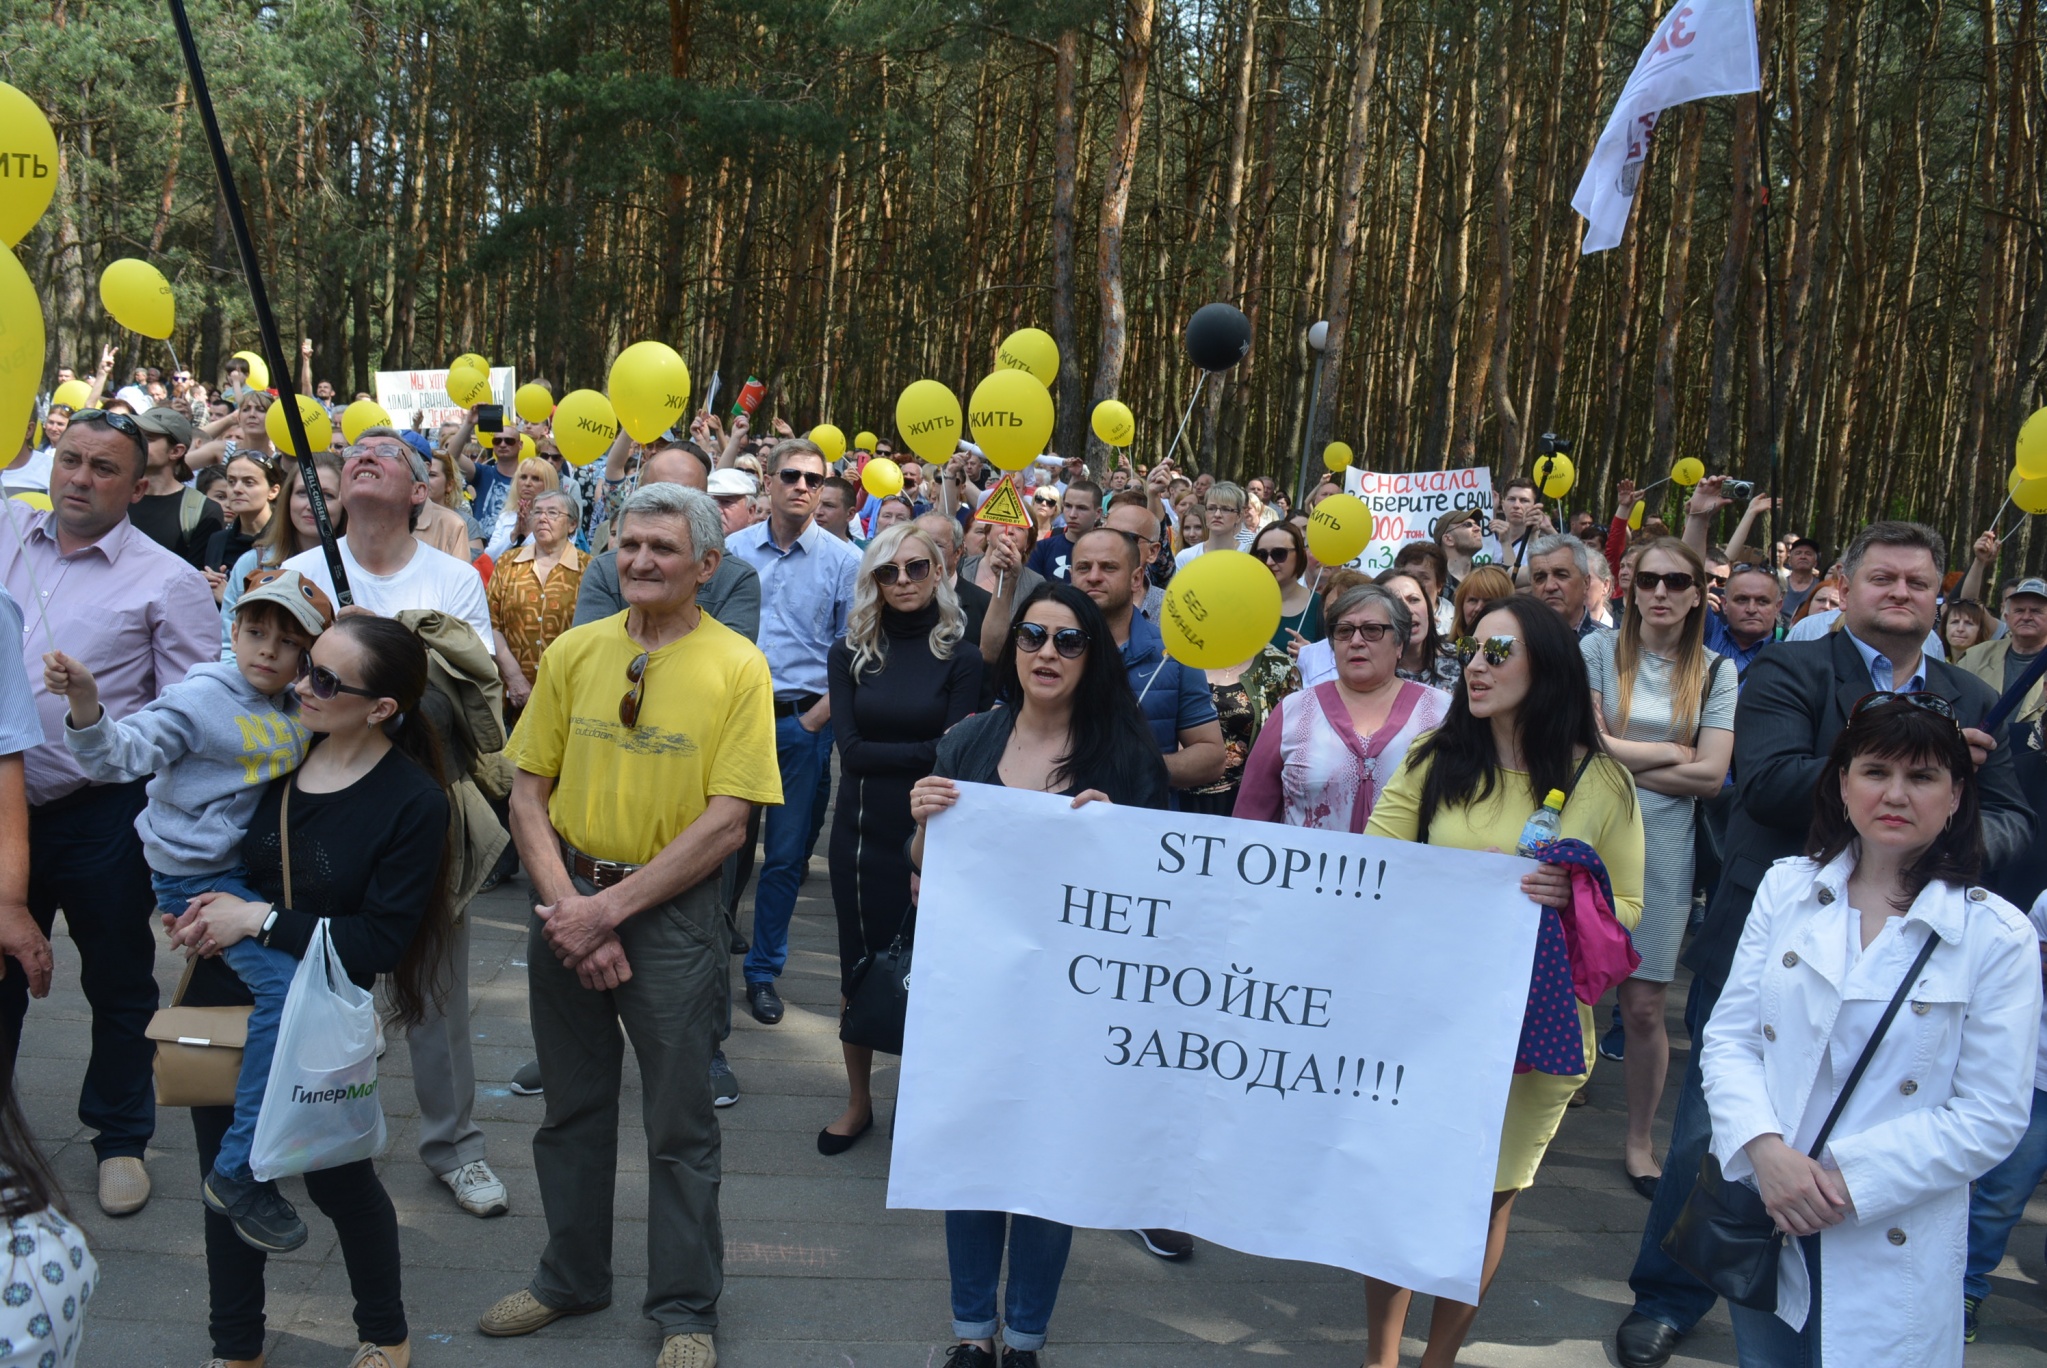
(94,586)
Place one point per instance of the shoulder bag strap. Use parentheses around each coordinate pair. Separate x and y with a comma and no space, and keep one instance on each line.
(1875,1038)
(284,836)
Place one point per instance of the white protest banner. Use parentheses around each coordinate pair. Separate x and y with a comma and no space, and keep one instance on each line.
(1404,503)
(1291,1042)
(421,396)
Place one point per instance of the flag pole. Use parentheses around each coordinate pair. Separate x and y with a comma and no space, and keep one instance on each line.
(266,324)
(1777,492)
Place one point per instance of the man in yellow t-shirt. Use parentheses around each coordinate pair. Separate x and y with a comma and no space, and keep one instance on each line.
(647,738)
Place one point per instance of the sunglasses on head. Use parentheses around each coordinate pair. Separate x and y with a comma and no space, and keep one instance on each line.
(629,706)
(1676,581)
(917,571)
(1925,702)
(1272,555)
(1343,633)
(1030,638)
(118,421)
(1496,650)
(325,683)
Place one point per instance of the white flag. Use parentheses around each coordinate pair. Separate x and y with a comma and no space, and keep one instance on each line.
(1701,48)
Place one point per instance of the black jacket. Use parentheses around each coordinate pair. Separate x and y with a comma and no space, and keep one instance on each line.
(1794,702)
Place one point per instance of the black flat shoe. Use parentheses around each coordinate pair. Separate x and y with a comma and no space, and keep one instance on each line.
(1644,1342)
(830,1142)
(764,1002)
(1643,1183)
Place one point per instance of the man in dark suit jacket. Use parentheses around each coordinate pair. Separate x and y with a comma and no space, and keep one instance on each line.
(1795,700)
(733,592)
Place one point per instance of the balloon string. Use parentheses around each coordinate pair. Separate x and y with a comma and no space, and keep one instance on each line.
(35,587)
(176,365)
(1188,416)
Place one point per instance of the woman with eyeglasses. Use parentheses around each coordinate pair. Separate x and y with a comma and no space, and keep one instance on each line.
(1067,724)
(241,430)
(1520,724)
(1881,1213)
(252,483)
(534,477)
(283,537)
(1283,549)
(1425,658)
(366,817)
(901,676)
(1666,711)
(1325,753)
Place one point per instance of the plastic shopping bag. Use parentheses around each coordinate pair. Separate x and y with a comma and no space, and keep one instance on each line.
(321,1108)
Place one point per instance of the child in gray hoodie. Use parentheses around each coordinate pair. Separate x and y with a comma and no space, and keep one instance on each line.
(214,741)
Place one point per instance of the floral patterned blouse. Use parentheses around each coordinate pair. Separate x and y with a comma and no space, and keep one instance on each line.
(529,613)
(1242,708)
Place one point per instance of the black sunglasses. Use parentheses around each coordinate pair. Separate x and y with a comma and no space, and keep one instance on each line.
(1925,702)
(1041,499)
(1030,638)
(1676,581)
(1495,649)
(119,422)
(917,571)
(326,683)
(629,706)
(792,478)
(1272,555)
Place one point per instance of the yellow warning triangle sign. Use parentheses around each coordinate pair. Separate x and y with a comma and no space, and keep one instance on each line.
(1004,505)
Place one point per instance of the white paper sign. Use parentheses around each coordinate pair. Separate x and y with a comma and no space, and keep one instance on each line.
(1294,1043)
(406,394)
(1404,503)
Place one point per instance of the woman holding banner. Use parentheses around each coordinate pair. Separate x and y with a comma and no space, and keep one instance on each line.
(1068,724)
(1520,726)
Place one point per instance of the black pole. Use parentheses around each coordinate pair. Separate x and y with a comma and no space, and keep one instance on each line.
(1769,333)
(273,348)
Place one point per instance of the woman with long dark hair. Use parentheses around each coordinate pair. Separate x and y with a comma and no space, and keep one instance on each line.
(1520,726)
(367,817)
(1883,898)
(1068,724)
(252,480)
(1423,658)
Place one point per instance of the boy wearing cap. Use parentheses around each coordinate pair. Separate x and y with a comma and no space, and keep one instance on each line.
(214,741)
(179,519)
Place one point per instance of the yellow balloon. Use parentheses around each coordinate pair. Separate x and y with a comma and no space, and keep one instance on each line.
(363,413)
(928,419)
(1636,514)
(467,387)
(138,297)
(1338,529)
(72,394)
(1219,610)
(527,450)
(21,347)
(319,427)
(2031,462)
(534,403)
(649,389)
(29,151)
(1687,471)
(1556,475)
(865,441)
(1011,415)
(1336,456)
(1114,423)
(471,361)
(829,439)
(1031,350)
(259,370)
(585,426)
(2031,496)
(35,498)
(882,477)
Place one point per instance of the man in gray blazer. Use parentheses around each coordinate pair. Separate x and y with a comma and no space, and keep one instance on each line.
(732,594)
(1795,700)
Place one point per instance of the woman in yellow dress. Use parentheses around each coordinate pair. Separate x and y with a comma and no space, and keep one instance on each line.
(1520,725)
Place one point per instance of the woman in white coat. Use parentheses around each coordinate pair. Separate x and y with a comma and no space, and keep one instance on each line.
(1895,843)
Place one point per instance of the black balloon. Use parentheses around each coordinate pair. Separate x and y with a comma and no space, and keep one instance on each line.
(1218,337)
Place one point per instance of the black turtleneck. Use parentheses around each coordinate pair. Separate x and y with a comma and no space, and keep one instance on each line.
(888,721)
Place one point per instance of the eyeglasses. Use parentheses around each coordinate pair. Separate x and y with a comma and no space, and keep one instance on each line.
(792,478)
(119,422)
(504,441)
(1030,638)
(1221,508)
(1925,702)
(917,571)
(1272,555)
(629,706)
(1676,581)
(326,683)
(1495,649)
(1343,633)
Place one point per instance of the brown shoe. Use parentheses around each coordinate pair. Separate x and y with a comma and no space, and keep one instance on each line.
(522,1313)
(124,1185)
(687,1351)
(383,1356)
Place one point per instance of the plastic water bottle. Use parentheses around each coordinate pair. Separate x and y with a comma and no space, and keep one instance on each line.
(1545,826)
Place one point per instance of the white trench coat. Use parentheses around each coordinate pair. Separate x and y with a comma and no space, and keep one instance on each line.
(1946,1097)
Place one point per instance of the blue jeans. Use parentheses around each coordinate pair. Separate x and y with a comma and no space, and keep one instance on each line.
(1763,1341)
(1037,1260)
(267,974)
(1998,1199)
(1663,1290)
(805,760)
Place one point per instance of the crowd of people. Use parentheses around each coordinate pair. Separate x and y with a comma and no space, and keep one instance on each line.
(643,684)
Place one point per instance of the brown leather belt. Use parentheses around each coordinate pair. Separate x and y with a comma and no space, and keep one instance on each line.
(590,869)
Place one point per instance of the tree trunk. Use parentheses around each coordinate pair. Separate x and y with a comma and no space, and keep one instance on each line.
(1677,256)
(1071,429)
(1349,198)
(1112,346)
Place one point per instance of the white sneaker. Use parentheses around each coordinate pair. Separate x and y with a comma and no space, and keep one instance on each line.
(477,1190)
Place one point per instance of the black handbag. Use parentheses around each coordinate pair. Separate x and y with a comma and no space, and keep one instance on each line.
(1724,1236)
(878,995)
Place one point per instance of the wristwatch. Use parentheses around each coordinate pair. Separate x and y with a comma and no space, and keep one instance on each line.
(263,934)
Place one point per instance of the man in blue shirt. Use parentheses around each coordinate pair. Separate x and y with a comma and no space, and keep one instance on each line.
(1081,505)
(1746,621)
(806,577)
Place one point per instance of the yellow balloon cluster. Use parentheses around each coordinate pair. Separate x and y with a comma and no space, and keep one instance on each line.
(534,403)
(1338,529)
(319,428)
(467,386)
(1032,351)
(1336,456)
(1687,471)
(1114,423)
(928,419)
(1219,610)
(259,369)
(21,345)
(29,149)
(2031,457)
(138,297)
(649,389)
(585,426)
(363,413)
(1011,416)
(882,477)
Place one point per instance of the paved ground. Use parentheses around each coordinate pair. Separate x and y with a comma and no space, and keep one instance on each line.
(820,1273)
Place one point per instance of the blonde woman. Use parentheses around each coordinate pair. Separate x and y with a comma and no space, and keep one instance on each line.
(535,476)
(901,676)
(1666,711)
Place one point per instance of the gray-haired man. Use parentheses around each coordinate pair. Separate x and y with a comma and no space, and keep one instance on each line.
(1560,573)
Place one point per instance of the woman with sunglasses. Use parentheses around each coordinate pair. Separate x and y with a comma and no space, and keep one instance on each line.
(1883,1210)
(367,821)
(901,676)
(1666,711)
(1283,549)
(1425,658)
(283,537)
(241,430)
(252,482)
(1520,724)
(1067,724)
